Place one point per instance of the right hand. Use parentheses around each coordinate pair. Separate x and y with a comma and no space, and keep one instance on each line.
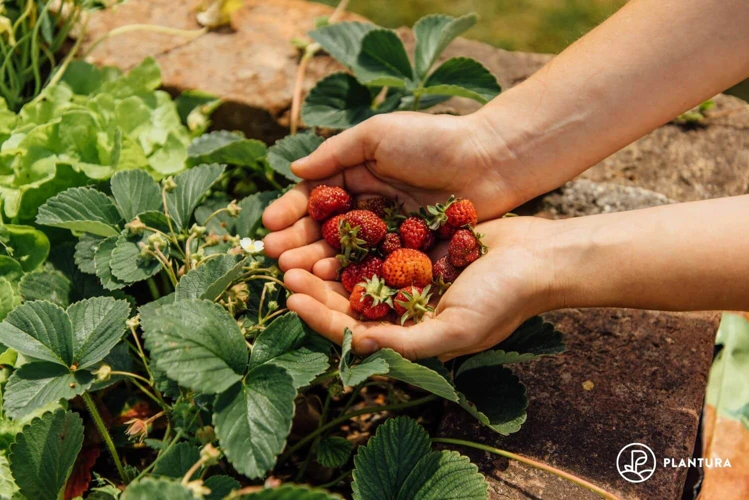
(418,158)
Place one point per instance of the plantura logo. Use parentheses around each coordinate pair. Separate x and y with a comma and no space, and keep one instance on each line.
(636,463)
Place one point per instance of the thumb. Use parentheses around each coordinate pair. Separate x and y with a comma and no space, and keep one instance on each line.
(429,338)
(347,149)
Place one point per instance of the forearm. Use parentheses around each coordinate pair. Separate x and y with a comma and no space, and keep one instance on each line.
(648,63)
(691,256)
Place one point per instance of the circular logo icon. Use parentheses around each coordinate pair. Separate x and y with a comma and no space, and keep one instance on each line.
(636,463)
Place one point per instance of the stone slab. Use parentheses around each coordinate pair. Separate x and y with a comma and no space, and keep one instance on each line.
(648,372)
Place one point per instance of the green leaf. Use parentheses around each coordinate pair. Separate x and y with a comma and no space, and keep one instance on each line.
(85,250)
(338,101)
(253,419)
(251,217)
(35,385)
(43,455)
(119,360)
(502,408)
(463,77)
(125,261)
(334,451)
(220,487)
(352,375)
(342,40)
(198,344)
(727,391)
(10,269)
(102,264)
(81,209)
(8,488)
(283,344)
(290,492)
(135,192)
(8,298)
(383,60)
(535,336)
(433,34)
(30,246)
(150,488)
(209,280)
(192,185)
(289,149)
(50,285)
(39,330)
(412,373)
(98,325)
(177,461)
(397,463)
(228,148)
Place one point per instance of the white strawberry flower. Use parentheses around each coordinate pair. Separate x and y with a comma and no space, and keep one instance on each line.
(252,246)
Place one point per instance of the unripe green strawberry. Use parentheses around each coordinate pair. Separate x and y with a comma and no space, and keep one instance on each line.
(326,201)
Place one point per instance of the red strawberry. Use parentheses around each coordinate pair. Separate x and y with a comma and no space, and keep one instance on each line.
(405,267)
(390,243)
(361,271)
(360,231)
(444,273)
(461,213)
(372,299)
(446,232)
(412,302)
(326,201)
(379,205)
(331,231)
(416,234)
(465,247)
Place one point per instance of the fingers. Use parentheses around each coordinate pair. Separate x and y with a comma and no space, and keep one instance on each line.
(423,340)
(347,149)
(327,322)
(326,269)
(306,257)
(329,293)
(303,232)
(288,209)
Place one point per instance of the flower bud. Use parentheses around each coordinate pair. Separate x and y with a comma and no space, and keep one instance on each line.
(135,226)
(133,322)
(210,455)
(156,241)
(197,231)
(168,184)
(137,429)
(103,373)
(198,488)
(233,208)
(206,434)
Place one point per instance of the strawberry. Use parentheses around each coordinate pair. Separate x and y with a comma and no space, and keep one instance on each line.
(360,230)
(405,267)
(331,231)
(326,201)
(390,243)
(379,205)
(444,273)
(448,218)
(372,299)
(446,232)
(416,234)
(361,271)
(465,247)
(412,302)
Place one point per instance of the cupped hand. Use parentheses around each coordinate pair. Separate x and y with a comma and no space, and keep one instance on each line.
(419,159)
(487,302)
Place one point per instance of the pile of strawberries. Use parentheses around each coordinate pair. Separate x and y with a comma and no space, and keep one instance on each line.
(382,251)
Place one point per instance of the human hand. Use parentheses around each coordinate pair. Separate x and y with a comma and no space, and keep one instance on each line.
(487,302)
(417,158)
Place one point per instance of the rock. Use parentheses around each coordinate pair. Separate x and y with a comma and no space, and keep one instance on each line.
(582,197)
(627,376)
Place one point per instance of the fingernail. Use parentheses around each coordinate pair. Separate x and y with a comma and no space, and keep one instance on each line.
(367,346)
(299,163)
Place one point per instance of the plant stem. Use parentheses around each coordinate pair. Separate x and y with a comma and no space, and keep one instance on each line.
(343,418)
(104,434)
(324,377)
(161,454)
(336,480)
(131,375)
(533,463)
(155,294)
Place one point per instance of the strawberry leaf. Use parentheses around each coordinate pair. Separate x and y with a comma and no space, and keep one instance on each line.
(81,209)
(342,40)
(85,250)
(30,246)
(338,101)
(125,261)
(177,461)
(150,488)
(251,217)
(198,344)
(44,453)
(535,336)
(334,451)
(102,264)
(191,188)
(433,34)
(253,419)
(228,148)
(135,192)
(463,77)
(353,374)
(289,149)
(98,325)
(415,374)
(382,60)
(39,330)
(290,492)
(49,285)
(35,385)
(210,279)
(8,298)
(220,487)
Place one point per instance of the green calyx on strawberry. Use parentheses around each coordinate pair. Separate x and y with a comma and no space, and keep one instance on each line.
(412,303)
(448,218)
(372,298)
(359,232)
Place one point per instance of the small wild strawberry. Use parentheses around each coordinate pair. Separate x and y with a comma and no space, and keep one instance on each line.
(465,247)
(444,273)
(390,243)
(372,299)
(358,272)
(326,201)
(453,215)
(379,205)
(360,231)
(405,267)
(412,302)
(416,234)
(331,231)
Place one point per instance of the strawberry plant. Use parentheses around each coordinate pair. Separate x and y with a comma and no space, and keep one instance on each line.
(382,77)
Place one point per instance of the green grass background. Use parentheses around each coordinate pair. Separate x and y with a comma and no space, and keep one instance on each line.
(527,25)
